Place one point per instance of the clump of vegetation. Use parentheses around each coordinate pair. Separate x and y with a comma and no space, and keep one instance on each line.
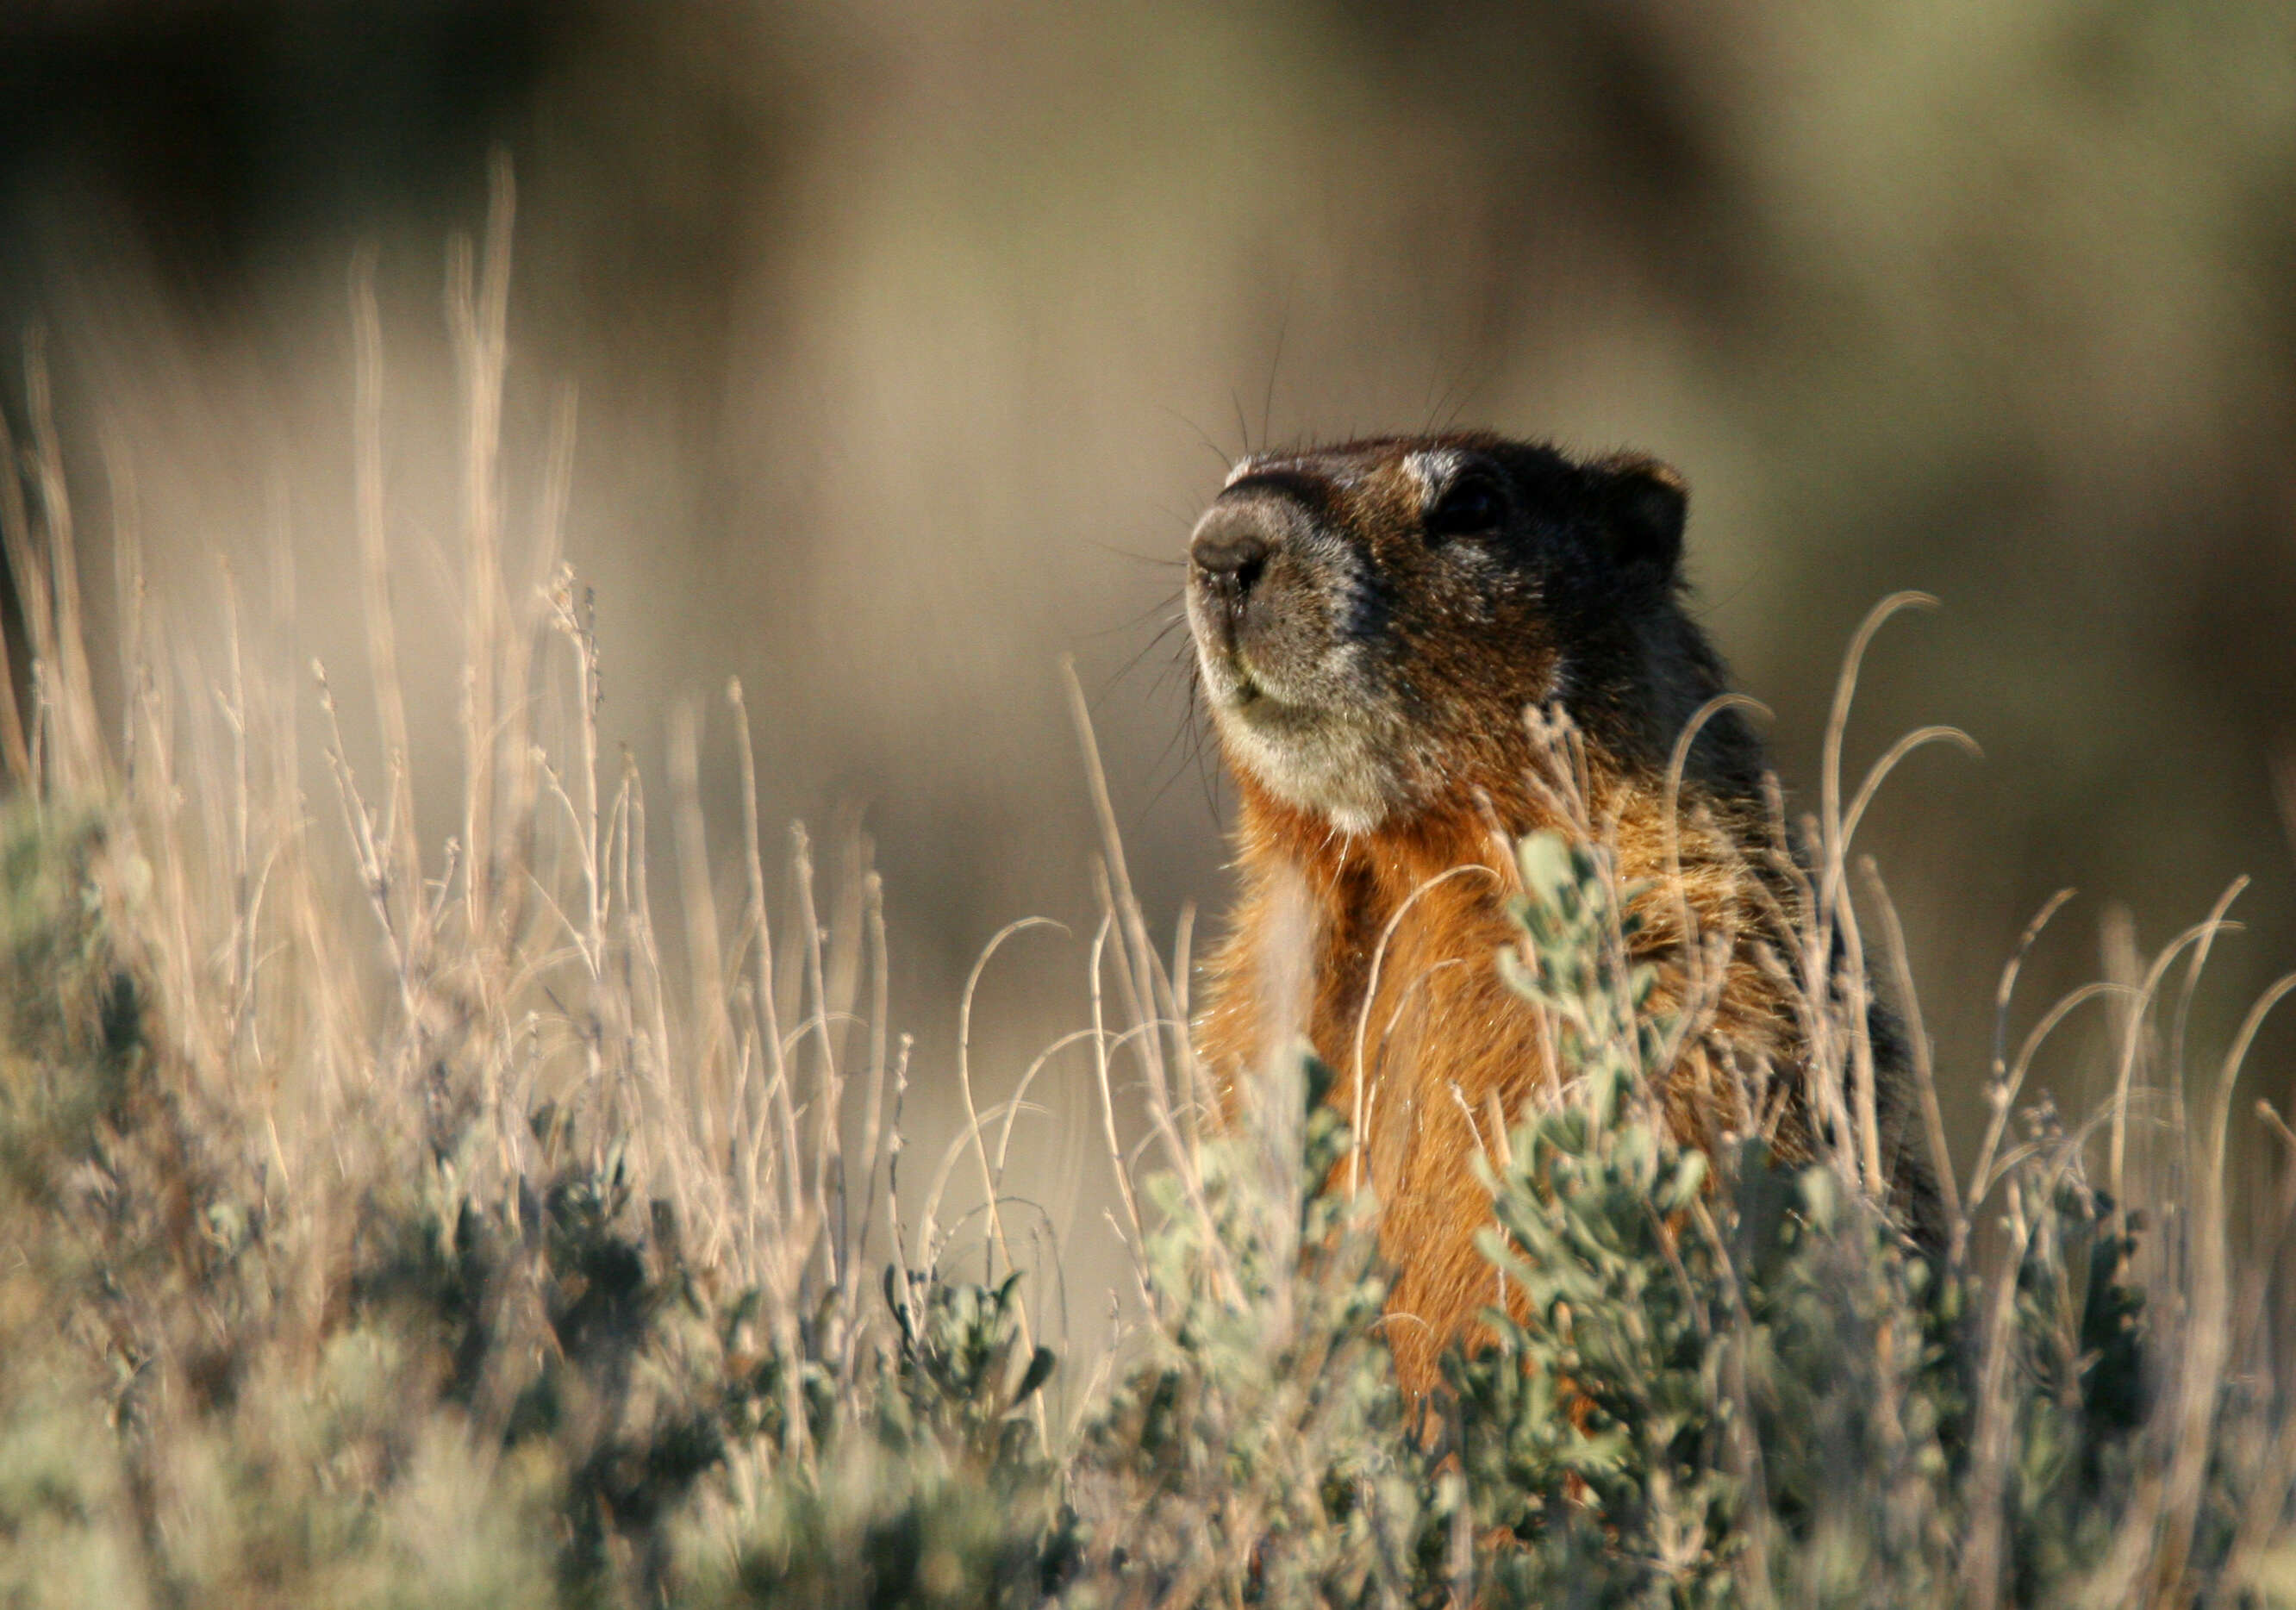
(389,1224)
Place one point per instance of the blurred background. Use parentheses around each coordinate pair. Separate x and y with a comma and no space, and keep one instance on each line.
(908,337)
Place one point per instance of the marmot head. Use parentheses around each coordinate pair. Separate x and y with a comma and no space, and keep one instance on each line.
(1371,619)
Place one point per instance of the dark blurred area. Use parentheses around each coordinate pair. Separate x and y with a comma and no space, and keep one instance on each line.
(908,337)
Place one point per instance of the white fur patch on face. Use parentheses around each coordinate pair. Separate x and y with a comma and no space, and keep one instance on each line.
(1244,467)
(1430,470)
(1335,773)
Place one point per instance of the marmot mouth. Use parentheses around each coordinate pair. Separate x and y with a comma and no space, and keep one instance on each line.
(1245,694)
(1250,702)
(1240,692)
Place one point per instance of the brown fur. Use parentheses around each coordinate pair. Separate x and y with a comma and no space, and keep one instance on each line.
(1400,904)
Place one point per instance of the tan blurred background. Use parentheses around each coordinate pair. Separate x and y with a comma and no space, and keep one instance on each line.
(908,337)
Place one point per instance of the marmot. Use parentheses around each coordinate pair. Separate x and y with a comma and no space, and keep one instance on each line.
(1372,622)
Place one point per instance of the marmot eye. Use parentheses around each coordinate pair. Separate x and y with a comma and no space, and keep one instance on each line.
(1473,505)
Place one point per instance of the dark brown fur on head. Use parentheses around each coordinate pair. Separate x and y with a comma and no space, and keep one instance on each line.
(1372,622)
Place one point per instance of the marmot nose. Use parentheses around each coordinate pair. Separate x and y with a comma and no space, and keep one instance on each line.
(1230,549)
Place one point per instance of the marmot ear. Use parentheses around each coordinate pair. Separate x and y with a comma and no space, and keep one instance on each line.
(1646,504)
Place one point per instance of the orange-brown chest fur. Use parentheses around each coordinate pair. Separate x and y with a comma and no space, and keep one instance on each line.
(1381,952)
